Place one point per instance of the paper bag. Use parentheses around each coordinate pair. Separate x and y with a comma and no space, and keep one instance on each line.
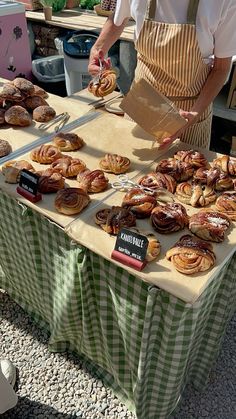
(152,111)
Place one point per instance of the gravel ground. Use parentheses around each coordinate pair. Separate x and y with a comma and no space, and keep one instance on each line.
(58,385)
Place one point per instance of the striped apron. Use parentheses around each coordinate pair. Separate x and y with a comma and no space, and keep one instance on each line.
(169,58)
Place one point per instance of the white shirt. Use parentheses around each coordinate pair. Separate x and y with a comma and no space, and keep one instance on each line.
(215,24)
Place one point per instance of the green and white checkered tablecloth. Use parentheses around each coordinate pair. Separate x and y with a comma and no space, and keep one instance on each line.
(143,342)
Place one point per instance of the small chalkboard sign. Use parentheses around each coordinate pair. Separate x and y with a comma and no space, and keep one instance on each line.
(131,249)
(28,186)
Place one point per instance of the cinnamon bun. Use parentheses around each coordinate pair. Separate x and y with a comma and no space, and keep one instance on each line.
(49,181)
(227,164)
(226,203)
(112,220)
(106,84)
(113,163)
(45,154)
(209,225)
(71,201)
(213,177)
(193,157)
(68,141)
(92,181)
(191,255)
(139,202)
(68,167)
(179,170)
(157,181)
(194,194)
(169,218)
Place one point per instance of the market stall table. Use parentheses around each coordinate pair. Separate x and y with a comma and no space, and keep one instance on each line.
(143,341)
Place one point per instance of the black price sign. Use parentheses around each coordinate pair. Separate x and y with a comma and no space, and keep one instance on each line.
(29,181)
(132,244)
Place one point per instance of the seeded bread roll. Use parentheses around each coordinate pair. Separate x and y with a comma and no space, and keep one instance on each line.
(17,115)
(44,113)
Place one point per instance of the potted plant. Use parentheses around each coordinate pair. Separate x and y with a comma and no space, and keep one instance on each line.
(50,6)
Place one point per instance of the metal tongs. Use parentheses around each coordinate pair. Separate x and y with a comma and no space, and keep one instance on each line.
(125,184)
(62,119)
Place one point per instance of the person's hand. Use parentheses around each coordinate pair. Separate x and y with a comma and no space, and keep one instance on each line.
(191,118)
(94,65)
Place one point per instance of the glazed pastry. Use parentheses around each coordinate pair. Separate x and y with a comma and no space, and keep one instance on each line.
(139,202)
(10,92)
(112,220)
(12,175)
(32,102)
(179,170)
(70,201)
(68,141)
(43,113)
(17,115)
(226,203)
(5,148)
(25,86)
(209,225)
(157,181)
(68,167)
(92,181)
(213,177)
(106,85)
(227,164)
(49,181)
(45,154)
(18,164)
(154,246)
(194,194)
(169,218)
(193,157)
(113,163)
(191,255)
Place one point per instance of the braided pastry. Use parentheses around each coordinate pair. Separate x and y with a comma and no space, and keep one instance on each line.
(5,148)
(209,225)
(179,170)
(45,154)
(213,177)
(106,84)
(226,203)
(191,255)
(227,164)
(193,157)
(12,170)
(68,141)
(68,167)
(114,219)
(49,181)
(92,181)
(194,194)
(154,246)
(113,163)
(158,180)
(139,202)
(169,218)
(70,201)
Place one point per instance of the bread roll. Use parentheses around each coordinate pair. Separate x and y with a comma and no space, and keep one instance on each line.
(5,148)
(17,115)
(44,113)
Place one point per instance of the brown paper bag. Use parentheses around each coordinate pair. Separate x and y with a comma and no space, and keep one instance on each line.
(152,110)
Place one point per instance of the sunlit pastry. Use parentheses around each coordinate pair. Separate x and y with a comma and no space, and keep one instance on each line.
(50,181)
(154,246)
(68,141)
(226,203)
(43,113)
(92,181)
(45,154)
(17,115)
(213,177)
(70,201)
(195,194)
(32,102)
(193,157)
(209,225)
(106,84)
(12,170)
(179,170)
(227,164)
(139,202)
(10,92)
(5,148)
(39,91)
(25,86)
(158,180)
(68,167)
(112,220)
(169,218)
(113,163)
(191,255)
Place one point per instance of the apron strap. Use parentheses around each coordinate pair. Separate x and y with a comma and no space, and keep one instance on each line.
(192,11)
(151,10)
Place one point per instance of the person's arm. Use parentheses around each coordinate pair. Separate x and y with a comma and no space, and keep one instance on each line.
(109,35)
(211,88)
